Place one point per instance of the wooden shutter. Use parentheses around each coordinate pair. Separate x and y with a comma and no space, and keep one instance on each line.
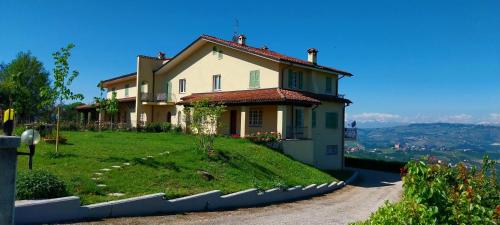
(168,91)
(290,78)
(331,120)
(256,79)
(328,88)
(301,80)
(252,79)
(313,120)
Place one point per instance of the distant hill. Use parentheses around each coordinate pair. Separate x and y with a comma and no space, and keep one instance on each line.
(433,136)
(448,143)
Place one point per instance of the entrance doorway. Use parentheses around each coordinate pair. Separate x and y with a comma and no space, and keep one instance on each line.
(232,123)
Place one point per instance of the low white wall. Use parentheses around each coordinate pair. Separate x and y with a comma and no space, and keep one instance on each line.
(301,150)
(69,209)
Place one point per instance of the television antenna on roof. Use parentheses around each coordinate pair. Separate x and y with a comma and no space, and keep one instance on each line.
(236,28)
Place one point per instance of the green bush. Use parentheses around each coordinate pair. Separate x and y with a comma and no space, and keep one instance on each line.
(39,184)
(439,194)
(158,127)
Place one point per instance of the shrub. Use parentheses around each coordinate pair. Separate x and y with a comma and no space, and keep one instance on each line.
(157,127)
(440,194)
(264,137)
(39,184)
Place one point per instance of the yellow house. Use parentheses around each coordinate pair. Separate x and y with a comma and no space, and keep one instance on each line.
(264,91)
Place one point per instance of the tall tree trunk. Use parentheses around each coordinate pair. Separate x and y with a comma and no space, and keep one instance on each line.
(57,129)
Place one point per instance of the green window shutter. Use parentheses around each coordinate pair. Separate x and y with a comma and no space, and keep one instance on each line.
(168,91)
(126,90)
(331,120)
(257,79)
(252,79)
(301,80)
(328,88)
(313,120)
(290,78)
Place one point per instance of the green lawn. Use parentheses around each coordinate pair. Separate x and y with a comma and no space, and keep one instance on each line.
(173,167)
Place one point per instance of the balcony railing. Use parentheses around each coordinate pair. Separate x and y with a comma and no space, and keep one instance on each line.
(160,97)
(296,132)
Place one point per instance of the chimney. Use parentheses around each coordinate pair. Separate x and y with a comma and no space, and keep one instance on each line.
(242,39)
(312,55)
(161,55)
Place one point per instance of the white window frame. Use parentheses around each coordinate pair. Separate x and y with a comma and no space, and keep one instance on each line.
(216,82)
(255,118)
(182,85)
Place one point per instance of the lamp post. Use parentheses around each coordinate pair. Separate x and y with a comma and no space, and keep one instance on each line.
(8,162)
(30,137)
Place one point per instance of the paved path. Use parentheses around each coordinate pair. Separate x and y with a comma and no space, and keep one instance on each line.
(352,203)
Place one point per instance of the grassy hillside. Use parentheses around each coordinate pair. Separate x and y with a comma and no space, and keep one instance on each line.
(165,162)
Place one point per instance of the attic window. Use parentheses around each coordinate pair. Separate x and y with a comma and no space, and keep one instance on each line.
(214,50)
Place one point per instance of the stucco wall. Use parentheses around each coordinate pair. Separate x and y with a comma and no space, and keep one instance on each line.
(323,137)
(120,89)
(234,68)
(269,119)
(301,150)
(313,81)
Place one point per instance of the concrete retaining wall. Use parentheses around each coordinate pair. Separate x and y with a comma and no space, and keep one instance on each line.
(69,209)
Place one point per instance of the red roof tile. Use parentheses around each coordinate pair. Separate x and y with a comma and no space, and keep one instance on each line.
(91,106)
(272,54)
(259,96)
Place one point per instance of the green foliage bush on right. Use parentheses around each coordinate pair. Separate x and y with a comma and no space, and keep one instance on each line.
(439,194)
(39,184)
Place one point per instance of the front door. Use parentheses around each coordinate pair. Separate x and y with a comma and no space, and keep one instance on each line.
(232,122)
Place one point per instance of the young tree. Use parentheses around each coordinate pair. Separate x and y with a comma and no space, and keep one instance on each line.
(112,107)
(205,123)
(62,81)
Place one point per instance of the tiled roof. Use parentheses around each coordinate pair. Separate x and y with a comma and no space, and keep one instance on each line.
(133,74)
(271,54)
(91,106)
(258,96)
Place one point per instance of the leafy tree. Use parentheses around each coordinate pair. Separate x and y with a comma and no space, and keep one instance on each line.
(21,82)
(61,83)
(112,107)
(205,123)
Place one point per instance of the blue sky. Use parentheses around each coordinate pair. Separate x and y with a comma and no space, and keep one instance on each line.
(413,61)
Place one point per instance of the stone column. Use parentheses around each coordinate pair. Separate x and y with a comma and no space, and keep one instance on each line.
(8,163)
(281,120)
(243,121)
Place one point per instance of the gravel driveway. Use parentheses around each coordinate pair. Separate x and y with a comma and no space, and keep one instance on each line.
(352,203)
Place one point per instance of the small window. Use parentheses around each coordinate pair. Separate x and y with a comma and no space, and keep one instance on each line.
(255,79)
(299,118)
(313,120)
(216,80)
(182,86)
(332,150)
(144,87)
(331,120)
(126,90)
(328,88)
(255,118)
(214,50)
(220,54)
(295,79)
(113,89)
